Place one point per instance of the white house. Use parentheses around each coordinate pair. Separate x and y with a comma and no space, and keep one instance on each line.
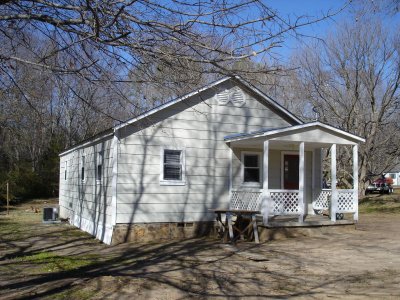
(395,175)
(158,174)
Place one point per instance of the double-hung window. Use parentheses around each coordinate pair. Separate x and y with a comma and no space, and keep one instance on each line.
(83,168)
(172,167)
(251,168)
(99,168)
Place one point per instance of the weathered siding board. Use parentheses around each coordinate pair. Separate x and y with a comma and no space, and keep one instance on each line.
(87,203)
(199,128)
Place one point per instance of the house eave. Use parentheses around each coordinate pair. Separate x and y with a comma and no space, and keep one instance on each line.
(291,129)
(92,140)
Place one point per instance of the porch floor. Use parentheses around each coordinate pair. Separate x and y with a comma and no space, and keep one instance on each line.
(309,221)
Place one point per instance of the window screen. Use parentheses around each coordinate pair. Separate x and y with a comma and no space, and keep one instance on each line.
(172,165)
(251,168)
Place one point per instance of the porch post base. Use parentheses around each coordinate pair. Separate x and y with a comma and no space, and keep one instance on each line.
(355,217)
(333,216)
(301,218)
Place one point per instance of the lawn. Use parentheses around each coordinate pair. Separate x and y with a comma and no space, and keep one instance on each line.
(381,203)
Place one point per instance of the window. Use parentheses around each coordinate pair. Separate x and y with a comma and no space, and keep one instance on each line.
(65,170)
(99,169)
(172,167)
(251,168)
(83,168)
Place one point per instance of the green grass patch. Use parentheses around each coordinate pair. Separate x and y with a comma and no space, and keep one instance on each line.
(49,262)
(380,204)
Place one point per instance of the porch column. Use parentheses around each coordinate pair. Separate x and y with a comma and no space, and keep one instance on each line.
(265,193)
(302,202)
(355,181)
(334,196)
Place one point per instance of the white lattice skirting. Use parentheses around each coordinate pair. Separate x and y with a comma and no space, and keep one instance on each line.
(285,202)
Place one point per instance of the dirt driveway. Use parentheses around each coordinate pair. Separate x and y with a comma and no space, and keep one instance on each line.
(60,262)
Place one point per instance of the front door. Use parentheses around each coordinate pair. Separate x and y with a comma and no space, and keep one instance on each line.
(291,172)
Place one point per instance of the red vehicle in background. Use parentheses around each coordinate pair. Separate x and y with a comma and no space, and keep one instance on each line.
(382,185)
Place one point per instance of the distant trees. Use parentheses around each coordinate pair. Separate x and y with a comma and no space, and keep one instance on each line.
(69,69)
(353,80)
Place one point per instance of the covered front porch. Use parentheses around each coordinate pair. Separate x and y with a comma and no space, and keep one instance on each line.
(280,173)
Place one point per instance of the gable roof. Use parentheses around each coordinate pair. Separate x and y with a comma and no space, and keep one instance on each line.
(268,101)
(292,129)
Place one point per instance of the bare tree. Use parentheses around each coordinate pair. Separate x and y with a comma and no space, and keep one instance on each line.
(353,81)
(146,37)
(69,69)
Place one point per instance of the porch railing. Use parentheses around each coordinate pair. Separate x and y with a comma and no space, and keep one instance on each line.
(346,202)
(284,202)
(321,199)
(246,199)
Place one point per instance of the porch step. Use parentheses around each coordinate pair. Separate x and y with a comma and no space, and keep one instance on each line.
(310,221)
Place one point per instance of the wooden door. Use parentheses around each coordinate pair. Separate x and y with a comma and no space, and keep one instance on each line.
(291,172)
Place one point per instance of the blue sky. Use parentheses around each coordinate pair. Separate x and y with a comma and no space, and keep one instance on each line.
(313,9)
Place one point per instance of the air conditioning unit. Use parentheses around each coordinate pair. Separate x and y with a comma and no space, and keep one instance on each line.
(50,215)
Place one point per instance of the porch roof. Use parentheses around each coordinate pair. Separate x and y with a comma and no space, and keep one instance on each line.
(314,134)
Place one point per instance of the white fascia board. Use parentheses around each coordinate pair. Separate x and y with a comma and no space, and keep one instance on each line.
(91,141)
(170,103)
(297,127)
(269,100)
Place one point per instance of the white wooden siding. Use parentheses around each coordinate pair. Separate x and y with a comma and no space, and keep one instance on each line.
(87,203)
(200,128)
(274,170)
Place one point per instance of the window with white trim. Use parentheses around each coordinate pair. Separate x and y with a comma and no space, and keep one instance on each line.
(65,170)
(99,168)
(83,168)
(172,166)
(251,168)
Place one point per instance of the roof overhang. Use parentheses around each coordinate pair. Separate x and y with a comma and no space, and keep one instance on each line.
(314,134)
(267,100)
(272,104)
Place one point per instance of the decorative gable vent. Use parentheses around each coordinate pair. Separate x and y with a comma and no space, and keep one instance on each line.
(235,96)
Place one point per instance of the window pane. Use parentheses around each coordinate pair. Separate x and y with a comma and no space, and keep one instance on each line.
(98,172)
(172,172)
(172,156)
(251,161)
(252,175)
